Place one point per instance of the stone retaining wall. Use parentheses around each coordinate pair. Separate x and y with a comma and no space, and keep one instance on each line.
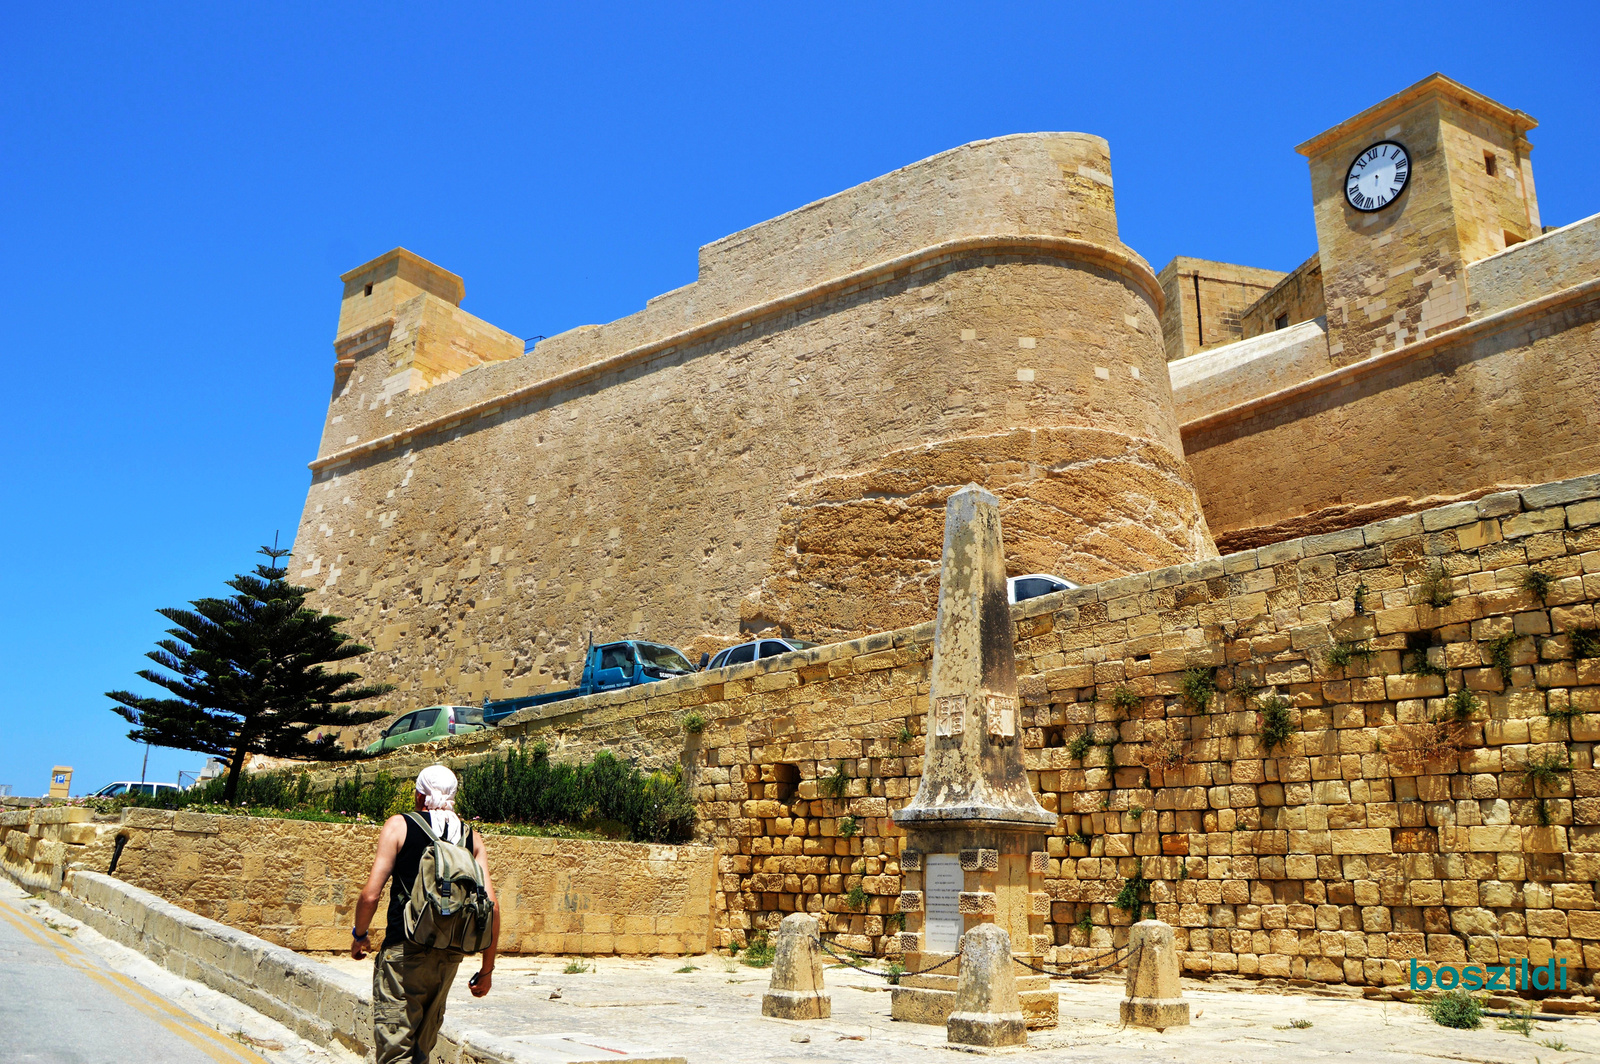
(295,882)
(1336,856)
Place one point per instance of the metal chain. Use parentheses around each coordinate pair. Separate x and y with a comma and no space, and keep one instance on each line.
(848,954)
(1091,971)
(1119,956)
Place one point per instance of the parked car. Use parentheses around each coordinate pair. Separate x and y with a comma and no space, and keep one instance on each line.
(421,725)
(608,666)
(1035,584)
(759,648)
(127,787)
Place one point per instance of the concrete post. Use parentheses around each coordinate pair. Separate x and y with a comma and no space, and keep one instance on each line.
(988,1011)
(1154,996)
(796,991)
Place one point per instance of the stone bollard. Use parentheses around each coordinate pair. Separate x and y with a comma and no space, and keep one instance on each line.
(1154,996)
(796,991)
(987,1011)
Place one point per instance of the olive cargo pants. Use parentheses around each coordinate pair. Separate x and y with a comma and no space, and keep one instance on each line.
(409,987)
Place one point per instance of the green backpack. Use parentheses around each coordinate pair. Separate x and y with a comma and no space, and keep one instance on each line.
(448,908)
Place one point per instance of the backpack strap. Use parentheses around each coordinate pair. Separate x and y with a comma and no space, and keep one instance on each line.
(426,825)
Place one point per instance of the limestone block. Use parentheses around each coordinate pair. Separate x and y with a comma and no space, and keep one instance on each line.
(980,860)
(796,991)
(976,903)
(911,861)
(910,942)
(910,901)
(1154,997)
(1038,903)
(988,1011)
(1038,862)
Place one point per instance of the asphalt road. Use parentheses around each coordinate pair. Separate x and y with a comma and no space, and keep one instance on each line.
(62,1004)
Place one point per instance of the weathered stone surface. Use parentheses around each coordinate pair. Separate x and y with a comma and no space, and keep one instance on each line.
(1154,996)
(972,769)
(796,990)
(987,1009)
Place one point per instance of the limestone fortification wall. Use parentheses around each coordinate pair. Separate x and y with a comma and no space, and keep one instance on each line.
(294,883)
(1502,400)
(772,444)
(1336,856)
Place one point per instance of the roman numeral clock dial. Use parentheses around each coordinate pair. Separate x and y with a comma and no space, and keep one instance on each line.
(1378,175)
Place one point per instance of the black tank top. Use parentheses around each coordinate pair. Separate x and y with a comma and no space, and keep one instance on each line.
(406,864)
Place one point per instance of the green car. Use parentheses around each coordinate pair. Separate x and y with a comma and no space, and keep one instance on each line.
(423,725)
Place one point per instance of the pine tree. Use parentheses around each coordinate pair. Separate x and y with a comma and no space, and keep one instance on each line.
(249,678)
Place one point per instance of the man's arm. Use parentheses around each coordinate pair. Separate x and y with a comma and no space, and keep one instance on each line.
(390,839)
(485,977)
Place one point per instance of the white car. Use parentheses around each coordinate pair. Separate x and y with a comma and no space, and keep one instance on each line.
(760,648)
(126,787)
(1035,584)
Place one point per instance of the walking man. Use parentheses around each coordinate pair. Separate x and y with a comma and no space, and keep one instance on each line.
(410,982)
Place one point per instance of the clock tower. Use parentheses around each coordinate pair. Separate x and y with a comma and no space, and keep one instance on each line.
(1407,193)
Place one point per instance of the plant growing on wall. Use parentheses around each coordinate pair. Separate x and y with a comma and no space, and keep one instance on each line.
(848,826)
(1275,721)
(248,675)
(1080,745)
(1586,642)
(1415,660)
(694,722)
(1197,687)
(1541,774)
(1124,699)
(1135,891)
(1500,655)
(834,786)
(1460,706)
(1539,583)
(1347,650)
(1435,588)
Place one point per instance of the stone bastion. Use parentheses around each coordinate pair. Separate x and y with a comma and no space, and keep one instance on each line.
(771,445)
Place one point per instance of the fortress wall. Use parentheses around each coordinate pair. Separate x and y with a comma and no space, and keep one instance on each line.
(1504,400)
(785,467)
(1337,856)
(1559,259)
(1214,380)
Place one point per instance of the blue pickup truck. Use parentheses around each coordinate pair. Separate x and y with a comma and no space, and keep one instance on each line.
(626,663)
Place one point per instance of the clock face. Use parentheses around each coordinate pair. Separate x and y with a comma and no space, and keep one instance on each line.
(1377,176)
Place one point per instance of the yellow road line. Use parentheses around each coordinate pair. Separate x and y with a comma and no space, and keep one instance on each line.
(141,998)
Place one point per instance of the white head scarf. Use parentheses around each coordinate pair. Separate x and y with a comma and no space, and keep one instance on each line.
(437,786)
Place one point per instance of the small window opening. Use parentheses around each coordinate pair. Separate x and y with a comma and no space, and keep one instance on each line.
(369,287)
(784,780)
(1489,166)
(1281,321)
(1512,238)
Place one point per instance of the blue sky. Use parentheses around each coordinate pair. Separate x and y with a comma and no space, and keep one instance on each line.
(182,186)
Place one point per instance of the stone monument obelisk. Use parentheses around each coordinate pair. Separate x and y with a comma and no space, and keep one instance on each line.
(975,847)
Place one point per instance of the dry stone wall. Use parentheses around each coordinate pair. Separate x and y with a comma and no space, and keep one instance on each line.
(1366,838)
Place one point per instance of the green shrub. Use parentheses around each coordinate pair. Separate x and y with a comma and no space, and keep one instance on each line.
(759,953)
(1347,650)
(694,722)
(528,788)
(1454,1008)
(1276,722)
(856,897)
(1132,896)
(893,973)
(1435,587)
(836,785)
(1085,922)
(1500,655)
(906,734)
(1080,745)
(1245,687)
(1197,687)
(848,826)
(1124,698)
(1539,583)
(1586,642)
(1461,705)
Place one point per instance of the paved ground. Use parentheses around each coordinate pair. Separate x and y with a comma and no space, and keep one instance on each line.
(712,1015)
(70,996)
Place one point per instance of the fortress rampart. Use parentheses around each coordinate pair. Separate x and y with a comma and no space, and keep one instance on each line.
(771,445)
